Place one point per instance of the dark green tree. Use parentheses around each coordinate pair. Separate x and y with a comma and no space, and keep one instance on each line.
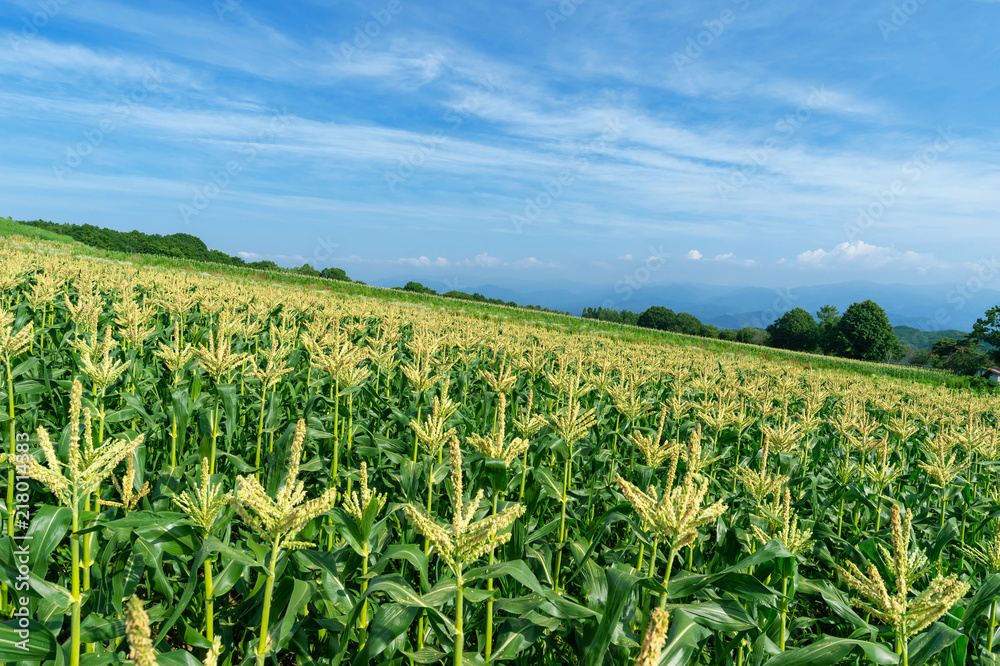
(795,330)
(918,356)
(607,314)
(829,317)
(689,325)
(417,288)
(945,347)
(753,336)
(962,356)
(987,330)
(658,317)
(967,360)
(306,269)
(332,273)
(864,333)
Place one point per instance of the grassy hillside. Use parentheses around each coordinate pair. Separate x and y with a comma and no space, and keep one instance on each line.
(9,227)
(498,312)
(178,245)
(209,383)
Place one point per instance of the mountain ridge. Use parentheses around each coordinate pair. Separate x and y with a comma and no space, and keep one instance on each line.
(930,307)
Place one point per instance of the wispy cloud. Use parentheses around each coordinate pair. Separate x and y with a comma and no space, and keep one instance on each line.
(860,253)
(725,258)
(351,120)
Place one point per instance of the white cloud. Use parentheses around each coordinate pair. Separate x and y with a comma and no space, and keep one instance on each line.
(532,262)
(485,260)
(422,262)
(845,251)
(727,258)
(41,55)
(533,136)
(482,260)
(730,258)
(870,256)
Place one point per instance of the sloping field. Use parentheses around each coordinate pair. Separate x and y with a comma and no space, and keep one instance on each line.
(228,466)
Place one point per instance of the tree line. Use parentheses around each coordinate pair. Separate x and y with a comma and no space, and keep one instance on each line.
(177,246)
(862,332)
(418,288)
(664,319)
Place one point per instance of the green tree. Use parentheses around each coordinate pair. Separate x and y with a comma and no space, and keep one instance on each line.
(658,317)
(306,269)
(417,288)
(753,336)
(829,317)
(967,360)
(918,356)
(961,356)
(864,333)
(607,314)
(945,347)
(332,273)
(795,330)
(689,325)
(987,330)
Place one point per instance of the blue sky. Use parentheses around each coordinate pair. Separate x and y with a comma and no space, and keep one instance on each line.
(730,142)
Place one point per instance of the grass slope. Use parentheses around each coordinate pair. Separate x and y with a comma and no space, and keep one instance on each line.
(501,312)
(8,227)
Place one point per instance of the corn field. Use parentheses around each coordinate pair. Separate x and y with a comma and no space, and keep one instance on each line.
(210,471)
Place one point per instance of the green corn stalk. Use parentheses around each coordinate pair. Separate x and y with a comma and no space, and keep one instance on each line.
(278,520)
(72,483)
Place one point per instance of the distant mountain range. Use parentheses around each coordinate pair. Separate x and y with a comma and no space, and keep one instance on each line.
(925,307)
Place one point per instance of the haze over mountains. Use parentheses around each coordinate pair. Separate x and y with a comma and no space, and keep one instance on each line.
(926,307)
